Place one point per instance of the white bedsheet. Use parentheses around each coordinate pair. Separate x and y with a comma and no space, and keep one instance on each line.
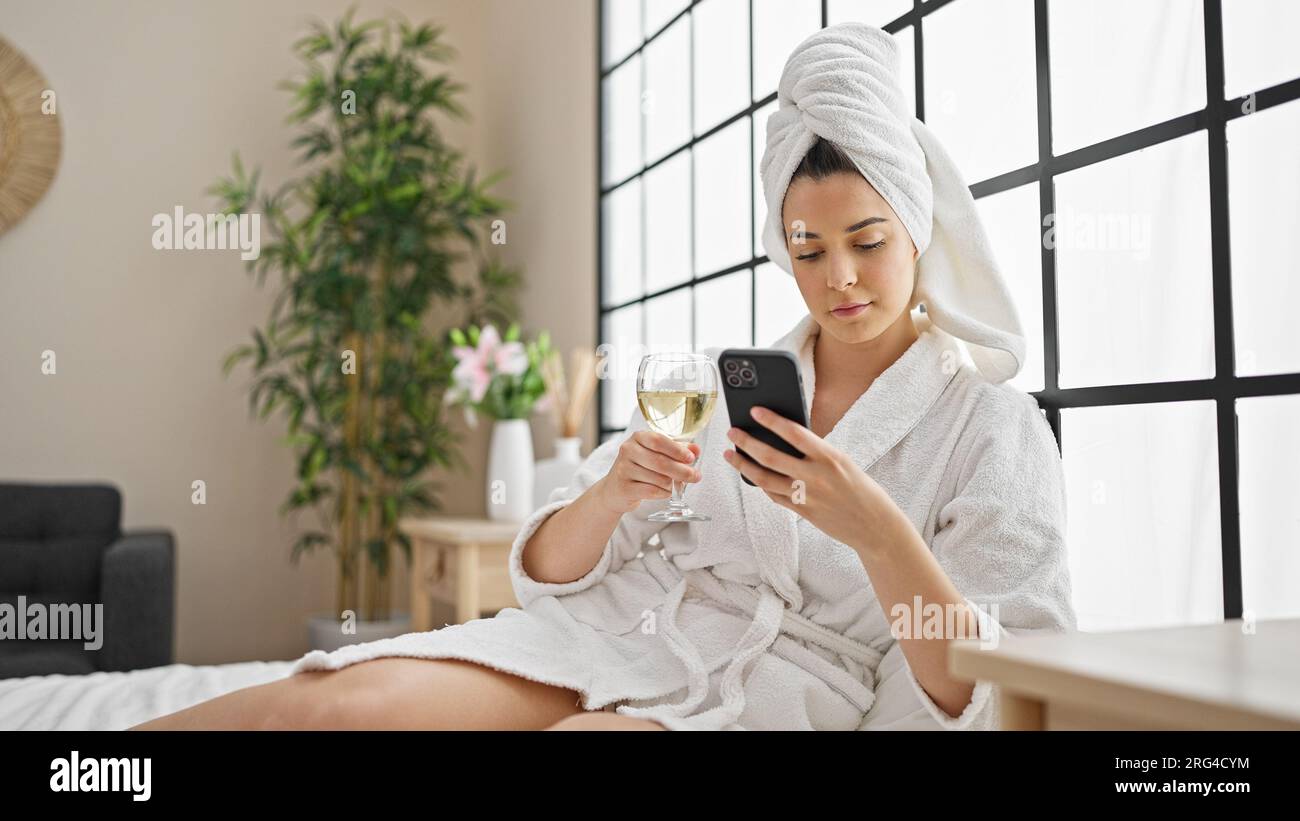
(115,701)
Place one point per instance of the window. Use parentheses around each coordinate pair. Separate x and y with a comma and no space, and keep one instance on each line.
(1149,229)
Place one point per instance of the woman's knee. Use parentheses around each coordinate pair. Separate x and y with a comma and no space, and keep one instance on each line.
(364,695)
(308,700)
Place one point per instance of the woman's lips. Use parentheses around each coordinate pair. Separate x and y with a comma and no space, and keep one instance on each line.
(846,313)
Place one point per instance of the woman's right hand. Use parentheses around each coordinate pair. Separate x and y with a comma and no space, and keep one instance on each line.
(647,463)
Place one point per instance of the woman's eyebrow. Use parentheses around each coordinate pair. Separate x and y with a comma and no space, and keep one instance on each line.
(857,226)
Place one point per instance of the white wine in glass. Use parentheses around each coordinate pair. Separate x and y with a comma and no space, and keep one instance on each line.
(677,393)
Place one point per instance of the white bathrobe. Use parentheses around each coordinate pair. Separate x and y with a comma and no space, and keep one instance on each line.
(780,623)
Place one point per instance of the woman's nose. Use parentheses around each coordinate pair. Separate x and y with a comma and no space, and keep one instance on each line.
(842,275)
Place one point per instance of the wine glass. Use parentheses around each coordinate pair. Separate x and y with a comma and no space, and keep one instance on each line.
(677,393)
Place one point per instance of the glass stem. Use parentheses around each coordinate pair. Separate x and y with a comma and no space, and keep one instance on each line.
(676,502)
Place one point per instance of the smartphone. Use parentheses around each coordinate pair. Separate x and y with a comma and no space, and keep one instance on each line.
(762,376)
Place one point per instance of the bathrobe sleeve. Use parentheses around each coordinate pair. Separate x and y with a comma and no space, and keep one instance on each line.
(1001,539)
(630,534)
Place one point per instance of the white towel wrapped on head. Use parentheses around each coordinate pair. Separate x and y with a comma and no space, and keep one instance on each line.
(841,84)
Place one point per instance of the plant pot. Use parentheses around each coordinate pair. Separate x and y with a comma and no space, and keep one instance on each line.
(326,632)
(557,471)
(510,471)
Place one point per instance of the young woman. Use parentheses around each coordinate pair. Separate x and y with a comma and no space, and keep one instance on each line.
(929,505)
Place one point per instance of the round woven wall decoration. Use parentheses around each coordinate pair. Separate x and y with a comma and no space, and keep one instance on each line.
(30,140)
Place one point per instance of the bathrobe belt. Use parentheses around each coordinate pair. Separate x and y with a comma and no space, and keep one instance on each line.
(771,616)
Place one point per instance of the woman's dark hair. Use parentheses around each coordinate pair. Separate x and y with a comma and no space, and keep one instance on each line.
(822,160)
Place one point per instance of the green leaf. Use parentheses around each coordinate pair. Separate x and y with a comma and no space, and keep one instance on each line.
(263,349)
(234,357)
(314,464)
(306,542)
(404,192)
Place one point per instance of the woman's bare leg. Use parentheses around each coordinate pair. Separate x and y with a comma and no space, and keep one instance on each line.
(596,720)
(385,693)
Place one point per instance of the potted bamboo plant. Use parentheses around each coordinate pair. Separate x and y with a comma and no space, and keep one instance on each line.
(364,239)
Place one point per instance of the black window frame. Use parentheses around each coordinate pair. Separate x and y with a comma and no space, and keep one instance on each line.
(1224,388)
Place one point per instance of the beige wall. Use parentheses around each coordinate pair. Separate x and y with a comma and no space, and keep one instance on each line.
(154,97)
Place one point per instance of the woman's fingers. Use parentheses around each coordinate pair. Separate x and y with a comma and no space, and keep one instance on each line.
(667,465)
(649,477)
(804,440)
(669,468)
(647,490)
(653,440)
(763,453)
(764,479)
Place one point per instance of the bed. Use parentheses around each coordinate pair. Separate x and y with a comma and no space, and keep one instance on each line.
(115,701)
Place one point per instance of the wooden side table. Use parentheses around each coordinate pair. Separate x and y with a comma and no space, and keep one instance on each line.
(1204,677)
(462,562)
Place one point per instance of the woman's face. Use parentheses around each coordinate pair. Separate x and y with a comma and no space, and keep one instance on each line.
(872,263)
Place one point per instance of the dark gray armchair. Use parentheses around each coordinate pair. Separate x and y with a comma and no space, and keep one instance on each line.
(63,544)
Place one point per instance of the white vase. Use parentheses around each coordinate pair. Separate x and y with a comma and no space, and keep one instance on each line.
(510,471)
(557,471)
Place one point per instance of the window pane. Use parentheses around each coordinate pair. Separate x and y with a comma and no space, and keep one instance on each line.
(621,226)
(760,201)
(1132,238)
(668,322)
(875,12)
(668,223)
(980,99)
(907,65)
(1011,220)
(721,61)
(779,26)
(621,333)
(1142,491)
(622,32)
(668,92)
(659,12)
(779,305)
(1259,44)
(723,308)
(722,180)
(1268,442)
(622,127)
(1118,66)
(1265,227)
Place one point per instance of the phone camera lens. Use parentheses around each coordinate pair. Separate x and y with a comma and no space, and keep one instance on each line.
(746,374)
(730,365)
(733,380)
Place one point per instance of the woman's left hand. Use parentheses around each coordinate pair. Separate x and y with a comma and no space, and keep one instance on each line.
(825,487)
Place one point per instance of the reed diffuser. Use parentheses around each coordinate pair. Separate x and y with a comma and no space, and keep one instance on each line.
(568,400)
